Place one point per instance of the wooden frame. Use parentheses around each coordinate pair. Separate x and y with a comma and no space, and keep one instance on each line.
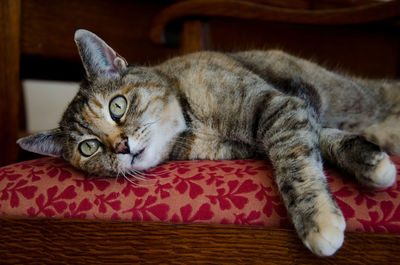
(10,11)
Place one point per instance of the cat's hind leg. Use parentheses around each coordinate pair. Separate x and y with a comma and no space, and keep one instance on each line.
(359,157)
(386,131)
(386,134)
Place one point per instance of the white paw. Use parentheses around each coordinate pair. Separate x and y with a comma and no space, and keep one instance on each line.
(328,235)
(385,173)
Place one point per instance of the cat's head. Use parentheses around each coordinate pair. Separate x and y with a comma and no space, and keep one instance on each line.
(122,119)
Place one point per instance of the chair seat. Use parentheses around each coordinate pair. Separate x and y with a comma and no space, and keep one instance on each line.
(240,192)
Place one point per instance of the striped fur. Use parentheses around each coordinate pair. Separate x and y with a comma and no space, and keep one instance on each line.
(210,105)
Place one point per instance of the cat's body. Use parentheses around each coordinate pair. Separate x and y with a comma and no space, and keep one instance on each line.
(211,105)
(217,89)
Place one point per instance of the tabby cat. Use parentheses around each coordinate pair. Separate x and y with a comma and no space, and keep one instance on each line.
(211,105)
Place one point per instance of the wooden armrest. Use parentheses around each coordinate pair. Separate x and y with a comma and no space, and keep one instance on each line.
(249,10)
(10,12)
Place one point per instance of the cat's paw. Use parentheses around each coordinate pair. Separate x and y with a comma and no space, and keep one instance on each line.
(384,173)
(328,234)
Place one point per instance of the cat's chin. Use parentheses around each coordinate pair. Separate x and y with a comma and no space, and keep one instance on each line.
(143,163)
(144,160)
(148,159)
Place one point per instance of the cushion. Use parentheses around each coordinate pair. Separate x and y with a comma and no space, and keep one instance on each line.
(240,192)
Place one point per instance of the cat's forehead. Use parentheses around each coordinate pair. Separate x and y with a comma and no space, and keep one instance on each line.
(132,77)
(89,108)
(72,118)
(87,118)
(89,89)
(91,103)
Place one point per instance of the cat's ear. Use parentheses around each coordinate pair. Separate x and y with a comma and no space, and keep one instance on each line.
(99,59)
(48,143)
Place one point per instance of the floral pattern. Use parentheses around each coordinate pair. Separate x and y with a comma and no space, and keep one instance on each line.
(239,192)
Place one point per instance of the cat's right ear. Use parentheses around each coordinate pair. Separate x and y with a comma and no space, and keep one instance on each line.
(48,143)
(99,59)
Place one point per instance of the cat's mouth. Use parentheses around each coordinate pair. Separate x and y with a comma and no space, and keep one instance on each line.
(137,155)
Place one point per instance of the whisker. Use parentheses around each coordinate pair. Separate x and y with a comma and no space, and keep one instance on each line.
(151,174)
(125,177)
(140,185)
(136,176)
(145,174)
(116,179)
(130,181)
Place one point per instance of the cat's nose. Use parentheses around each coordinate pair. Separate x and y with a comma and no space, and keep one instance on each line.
(122,147)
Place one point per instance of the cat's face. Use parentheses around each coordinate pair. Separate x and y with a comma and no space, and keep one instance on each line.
(122,125)
(123,118)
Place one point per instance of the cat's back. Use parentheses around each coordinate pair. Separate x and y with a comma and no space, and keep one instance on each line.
(202,63)
(247,62)
(214,73)
(213,79)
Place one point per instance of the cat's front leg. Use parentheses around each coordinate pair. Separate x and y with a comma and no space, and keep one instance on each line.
(289,135)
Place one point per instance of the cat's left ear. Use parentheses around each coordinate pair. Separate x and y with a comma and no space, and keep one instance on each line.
(48,143)
(99,59)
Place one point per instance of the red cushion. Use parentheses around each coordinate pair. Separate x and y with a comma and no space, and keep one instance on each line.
(221,192)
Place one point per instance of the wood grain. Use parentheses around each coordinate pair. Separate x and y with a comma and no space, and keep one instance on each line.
(194,36)
(47,28)
(367,50)
(248,10)
(10,89)
(313,4)
(69,241)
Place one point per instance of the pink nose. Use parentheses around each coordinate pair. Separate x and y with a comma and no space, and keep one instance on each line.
(122,147)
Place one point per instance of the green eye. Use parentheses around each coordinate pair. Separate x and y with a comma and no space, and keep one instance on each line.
(118,107)
(89,147)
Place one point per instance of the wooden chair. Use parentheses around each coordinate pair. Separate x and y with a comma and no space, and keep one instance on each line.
(84,241)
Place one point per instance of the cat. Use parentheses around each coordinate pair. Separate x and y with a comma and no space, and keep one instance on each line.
(212,105)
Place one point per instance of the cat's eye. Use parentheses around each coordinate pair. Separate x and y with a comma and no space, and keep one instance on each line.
(89,147)
(118,107)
